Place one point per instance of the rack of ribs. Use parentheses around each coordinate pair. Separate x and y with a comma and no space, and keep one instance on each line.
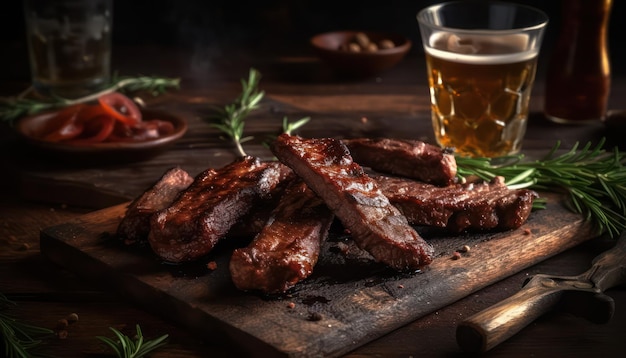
(204,213)
(287,248)
(407,158)
(376,226)
(135,225)
(472,206)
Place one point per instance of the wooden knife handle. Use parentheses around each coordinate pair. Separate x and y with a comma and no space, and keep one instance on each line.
(492,326)
(583,297)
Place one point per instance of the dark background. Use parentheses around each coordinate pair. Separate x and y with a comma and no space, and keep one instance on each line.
(215,28)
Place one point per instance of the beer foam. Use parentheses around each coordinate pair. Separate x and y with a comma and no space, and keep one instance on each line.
(481,49)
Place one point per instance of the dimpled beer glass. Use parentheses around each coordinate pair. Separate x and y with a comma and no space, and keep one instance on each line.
(69,44)
(481,59)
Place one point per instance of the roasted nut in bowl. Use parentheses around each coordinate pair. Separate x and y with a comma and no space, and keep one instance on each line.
(360,53)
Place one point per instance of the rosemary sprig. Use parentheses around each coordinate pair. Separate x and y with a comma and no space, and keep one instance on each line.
(152,84)
(126,347)
(18,339)
(231,118)
(594,179)
(290,127)
(16,107)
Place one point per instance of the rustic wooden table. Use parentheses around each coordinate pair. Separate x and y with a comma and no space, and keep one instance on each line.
(38,192)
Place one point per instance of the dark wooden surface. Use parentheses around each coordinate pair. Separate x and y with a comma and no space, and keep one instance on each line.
(38,192)
(356,299)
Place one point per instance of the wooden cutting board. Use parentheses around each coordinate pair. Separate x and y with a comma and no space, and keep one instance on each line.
(347,302)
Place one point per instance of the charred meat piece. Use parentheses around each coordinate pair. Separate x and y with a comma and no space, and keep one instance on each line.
(252,223)
(376,226)
(287,248)
(135,225)
(459,207)
(408,158)
(203,213)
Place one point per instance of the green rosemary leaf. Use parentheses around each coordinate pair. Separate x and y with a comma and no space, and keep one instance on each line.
(290,127)
(521,177)
(154,85)
(126,347)
(112,344)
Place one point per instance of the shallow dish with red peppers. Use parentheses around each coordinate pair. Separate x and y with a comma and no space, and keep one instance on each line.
(104,130)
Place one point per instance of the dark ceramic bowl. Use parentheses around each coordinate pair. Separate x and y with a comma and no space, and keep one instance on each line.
(331,49)
(109,152)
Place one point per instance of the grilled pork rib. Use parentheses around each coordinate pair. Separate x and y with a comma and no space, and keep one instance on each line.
(407,158)
(287,248)
(203,213)
(378,227)
(459,207)
(135,225)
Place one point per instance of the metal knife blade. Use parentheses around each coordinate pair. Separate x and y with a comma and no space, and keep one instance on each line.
(581,295)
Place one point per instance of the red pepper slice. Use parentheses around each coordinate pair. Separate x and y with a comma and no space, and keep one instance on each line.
(121,108)
(64,125)
(89,111)
(96,129)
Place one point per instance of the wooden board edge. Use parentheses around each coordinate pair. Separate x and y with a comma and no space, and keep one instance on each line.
(215,331)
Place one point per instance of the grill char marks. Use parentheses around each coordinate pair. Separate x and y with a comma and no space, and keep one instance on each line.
(287,248)
(460,207)
(135,225)
(407,158)
(376,226)
(202,214)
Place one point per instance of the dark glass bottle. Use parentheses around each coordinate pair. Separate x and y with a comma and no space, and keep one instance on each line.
(578,79)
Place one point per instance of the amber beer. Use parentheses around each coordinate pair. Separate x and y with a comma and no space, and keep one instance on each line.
(480,90)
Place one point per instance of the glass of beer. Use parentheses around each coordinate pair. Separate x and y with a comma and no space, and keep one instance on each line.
(481,59)
(69,43)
